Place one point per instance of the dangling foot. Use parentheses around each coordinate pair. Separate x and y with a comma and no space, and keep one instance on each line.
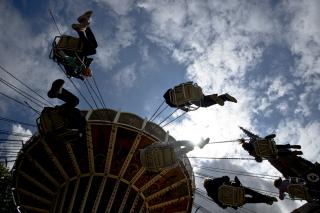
(56,88)
(79,27)
(297,153)
(296,146)
(270,200)
(228,97)
(217,99)
(203,143)
(85,18)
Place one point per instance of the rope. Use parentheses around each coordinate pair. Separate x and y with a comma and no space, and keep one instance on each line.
(159,113)
(25,85)
(228,141)
(54,20)
(96,85)
(174,119)
(91,95)
(84,98)
(157,110)
(272,177)
(212,158)
(167,117)
(95,92)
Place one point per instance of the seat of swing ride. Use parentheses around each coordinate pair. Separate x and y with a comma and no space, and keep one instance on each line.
(265,148)
(233,196)
(185,95)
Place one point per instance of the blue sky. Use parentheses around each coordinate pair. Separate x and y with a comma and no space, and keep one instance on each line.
(266,54)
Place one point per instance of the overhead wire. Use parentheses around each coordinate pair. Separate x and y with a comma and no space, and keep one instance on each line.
(21,82)
(15,121)
(11,140)
(5,132)
(19,102)
(94,92)
(24,94)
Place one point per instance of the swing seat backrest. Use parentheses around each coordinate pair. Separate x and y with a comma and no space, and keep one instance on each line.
(155,158)
(51,120)
(186,93)
(298,191)
(232,196)
(69,43)
(265,148)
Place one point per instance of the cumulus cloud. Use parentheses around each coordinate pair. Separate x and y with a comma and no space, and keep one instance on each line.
(121,7)
(126,77)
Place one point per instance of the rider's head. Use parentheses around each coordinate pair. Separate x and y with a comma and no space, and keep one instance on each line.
(87,72)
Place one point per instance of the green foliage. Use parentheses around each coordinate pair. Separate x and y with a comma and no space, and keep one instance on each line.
(6,199)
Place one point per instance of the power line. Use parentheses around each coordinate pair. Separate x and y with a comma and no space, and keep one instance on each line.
(17,101)
(5,70)
(5,132)
(23,93)
(13,140)
(15,121)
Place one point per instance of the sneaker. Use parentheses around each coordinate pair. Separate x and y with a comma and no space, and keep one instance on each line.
(84,18)
(79,27)
(55,88)
(203,143)
(271,200)
(230,98)
(296,146)
(217,99)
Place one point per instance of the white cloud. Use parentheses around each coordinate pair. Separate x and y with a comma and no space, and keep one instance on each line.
(110,46)
(121,7)
(304,36)
(126,77)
